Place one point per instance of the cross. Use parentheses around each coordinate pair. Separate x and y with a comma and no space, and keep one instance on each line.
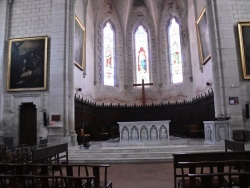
(143,90)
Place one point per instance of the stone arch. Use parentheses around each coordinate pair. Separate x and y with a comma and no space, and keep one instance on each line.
(17,101)
(125,133)
(153,133)
(133,23)
(134,133)
(163,132)
(144,133)
(103,18)
(166,15)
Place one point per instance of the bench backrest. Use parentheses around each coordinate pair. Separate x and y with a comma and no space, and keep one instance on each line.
(242,179)
(57,151)
(98,171)
(234,146)
(211,156)
(31,181)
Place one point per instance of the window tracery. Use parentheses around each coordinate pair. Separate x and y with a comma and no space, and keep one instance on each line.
(142,55)
(109,63)
(176,71)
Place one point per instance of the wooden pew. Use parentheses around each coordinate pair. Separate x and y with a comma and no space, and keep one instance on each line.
(208,179)
(34,154)
(98,171)
(234,146)
(16,154)
(199,157)
(51,154)
(42,181)
(211,167)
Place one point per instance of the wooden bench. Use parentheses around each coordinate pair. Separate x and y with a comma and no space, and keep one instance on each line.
(18,154)
(211,167)
(51,154)
(42,181)
(234,146)
(207,179)
(98,171)
(178,160)
(34,154)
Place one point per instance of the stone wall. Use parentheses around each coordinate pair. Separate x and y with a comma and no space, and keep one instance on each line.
(201,74)
(240,13)
(125,17)
(28,18)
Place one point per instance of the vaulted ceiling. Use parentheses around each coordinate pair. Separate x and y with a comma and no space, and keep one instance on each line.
(124,8)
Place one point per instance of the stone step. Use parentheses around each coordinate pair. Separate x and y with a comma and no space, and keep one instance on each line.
(116,152)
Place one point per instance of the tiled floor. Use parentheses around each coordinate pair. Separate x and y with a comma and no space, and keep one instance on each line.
(142,175)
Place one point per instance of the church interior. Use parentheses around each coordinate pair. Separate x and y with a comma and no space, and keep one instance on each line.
(132,74)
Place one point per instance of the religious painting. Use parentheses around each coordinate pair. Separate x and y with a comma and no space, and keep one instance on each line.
(244,38)
(27,64)
(80,44)
(203,37)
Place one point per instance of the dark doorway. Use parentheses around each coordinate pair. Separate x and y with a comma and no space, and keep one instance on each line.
(28,124)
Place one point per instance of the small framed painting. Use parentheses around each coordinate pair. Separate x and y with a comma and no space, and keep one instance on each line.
(203,37)
(80,44)
(244,39)
(233,100)
(27,64)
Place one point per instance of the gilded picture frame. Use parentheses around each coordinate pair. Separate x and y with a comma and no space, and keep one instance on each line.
(203,37)
(27,64)
(244,40)
(80,45)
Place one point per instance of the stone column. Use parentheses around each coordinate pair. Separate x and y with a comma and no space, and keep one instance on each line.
(218,93)
(5,9)
(62,72)
(70,50)
(226,79)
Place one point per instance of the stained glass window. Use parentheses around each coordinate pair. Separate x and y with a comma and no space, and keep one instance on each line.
(108,53)
(141,55)
(175,52)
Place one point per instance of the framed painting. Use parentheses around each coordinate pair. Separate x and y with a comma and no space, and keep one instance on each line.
(203,37)
(27,64)
(80,44)
(244,39)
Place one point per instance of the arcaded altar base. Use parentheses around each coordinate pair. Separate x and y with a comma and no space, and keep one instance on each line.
(144,131)
(217,131)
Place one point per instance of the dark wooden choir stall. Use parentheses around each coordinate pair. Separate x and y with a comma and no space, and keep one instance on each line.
(99,121)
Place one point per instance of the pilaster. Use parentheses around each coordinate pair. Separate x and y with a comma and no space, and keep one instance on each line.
(5,9)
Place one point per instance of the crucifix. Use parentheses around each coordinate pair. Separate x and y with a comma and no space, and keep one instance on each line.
(143,90)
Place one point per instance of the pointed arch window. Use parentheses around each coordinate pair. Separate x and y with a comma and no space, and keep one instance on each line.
(142,55)
(109,63)
(175,53)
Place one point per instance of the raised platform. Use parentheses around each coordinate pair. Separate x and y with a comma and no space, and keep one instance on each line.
(113,151)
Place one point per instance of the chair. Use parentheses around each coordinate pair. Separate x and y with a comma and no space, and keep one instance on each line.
(185,181)
(204,167)
(221,180)
(98,171)
(239,166)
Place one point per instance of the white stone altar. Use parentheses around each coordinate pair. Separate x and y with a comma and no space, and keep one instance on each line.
(217,131)
(144,131)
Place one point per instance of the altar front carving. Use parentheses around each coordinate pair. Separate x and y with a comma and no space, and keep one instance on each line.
(144,131)
(217,131)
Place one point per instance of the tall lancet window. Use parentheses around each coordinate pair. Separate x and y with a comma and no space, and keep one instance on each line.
(175,52)
(141,55)
(109,55)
